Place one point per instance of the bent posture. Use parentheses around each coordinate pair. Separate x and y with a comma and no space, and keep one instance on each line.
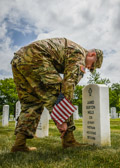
(36,70)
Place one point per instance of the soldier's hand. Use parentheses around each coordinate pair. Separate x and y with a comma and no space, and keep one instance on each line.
(62,128)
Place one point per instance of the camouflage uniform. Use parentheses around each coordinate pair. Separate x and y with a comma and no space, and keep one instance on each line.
(36,69)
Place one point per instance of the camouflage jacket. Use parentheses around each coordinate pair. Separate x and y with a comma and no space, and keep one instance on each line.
(66,56)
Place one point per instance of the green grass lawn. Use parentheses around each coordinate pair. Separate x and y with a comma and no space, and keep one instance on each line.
(51,155)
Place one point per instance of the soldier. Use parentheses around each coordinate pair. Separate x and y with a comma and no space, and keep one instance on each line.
(36,70)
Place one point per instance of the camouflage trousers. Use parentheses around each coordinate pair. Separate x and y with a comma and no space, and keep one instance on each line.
(38,85)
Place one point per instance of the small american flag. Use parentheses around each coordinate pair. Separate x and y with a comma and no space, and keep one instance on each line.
(62,109)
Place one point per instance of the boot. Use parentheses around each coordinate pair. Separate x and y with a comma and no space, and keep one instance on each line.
(20,144)
(69,141)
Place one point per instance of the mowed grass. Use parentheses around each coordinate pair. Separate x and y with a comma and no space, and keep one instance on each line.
(51,155)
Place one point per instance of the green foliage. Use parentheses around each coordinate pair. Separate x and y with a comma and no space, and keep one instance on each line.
(78,98)
(114,94)
(95,78)
(8,94)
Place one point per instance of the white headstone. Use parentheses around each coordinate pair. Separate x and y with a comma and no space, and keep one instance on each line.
(96,120)
(17,111)
(75,114)
(43,126)
(5,116)
(113,112)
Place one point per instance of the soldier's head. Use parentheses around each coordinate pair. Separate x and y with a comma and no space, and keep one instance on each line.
(94,59)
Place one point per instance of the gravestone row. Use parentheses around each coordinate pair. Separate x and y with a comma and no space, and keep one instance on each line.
(43,126)
(96,120)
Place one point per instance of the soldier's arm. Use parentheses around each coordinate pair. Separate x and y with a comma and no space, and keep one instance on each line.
(74,71)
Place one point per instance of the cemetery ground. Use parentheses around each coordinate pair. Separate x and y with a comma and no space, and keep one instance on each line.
(51,155)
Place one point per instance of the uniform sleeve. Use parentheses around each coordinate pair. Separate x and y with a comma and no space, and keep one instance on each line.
(72,73)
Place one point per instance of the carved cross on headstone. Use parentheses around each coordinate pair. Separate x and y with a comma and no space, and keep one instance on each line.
(90,91)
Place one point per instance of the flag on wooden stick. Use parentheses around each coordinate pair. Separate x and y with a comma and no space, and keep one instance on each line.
(62,109)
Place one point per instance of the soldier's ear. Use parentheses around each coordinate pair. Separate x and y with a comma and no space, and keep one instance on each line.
(93,54)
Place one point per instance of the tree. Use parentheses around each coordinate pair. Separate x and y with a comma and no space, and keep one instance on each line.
(114,94)
(95,78)
(78,98)
(8,94)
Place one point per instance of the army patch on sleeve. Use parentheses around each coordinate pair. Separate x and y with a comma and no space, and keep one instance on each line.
(82,68)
